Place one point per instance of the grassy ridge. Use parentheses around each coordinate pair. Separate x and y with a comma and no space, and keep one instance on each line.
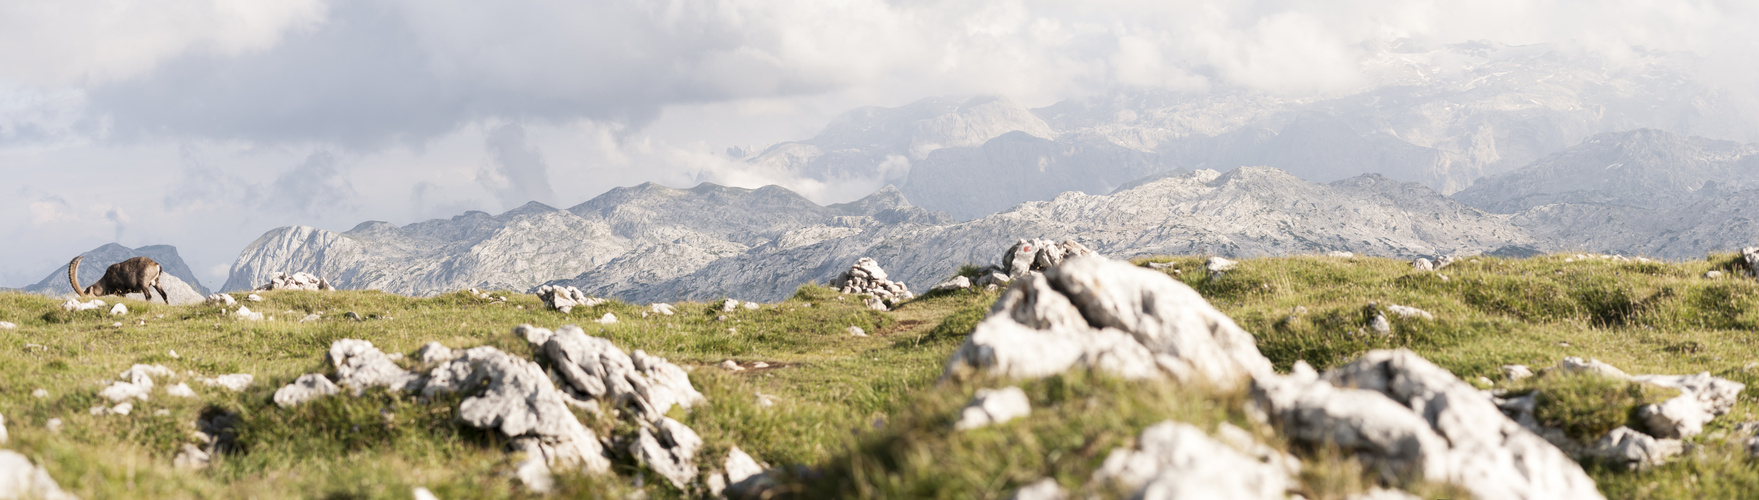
(864,413)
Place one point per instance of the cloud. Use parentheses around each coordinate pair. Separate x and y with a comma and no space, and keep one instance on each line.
(61,42)
(317,184)
(518,173)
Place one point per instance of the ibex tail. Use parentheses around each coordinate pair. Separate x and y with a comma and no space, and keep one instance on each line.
(73,276)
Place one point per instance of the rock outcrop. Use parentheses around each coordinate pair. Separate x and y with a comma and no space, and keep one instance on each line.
(565,298)
(1663,426)
(596,369)
(295,281)
(1408,418)
(1038,255)
(1092,312)
(993,406)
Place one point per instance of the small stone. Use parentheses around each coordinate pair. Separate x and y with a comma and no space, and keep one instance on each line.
(311,317)
(1380,325)
(857,331)
(1516,372)
(161,412)
(53,425)
(254,298)
(1422,264)
(1710,275)
(173,354)
(730,305)
(722,317)
(181,390)
(876,304)
(119,310)
(731,366)
(661,308)
(608,319)
(752,306)
(123,408)
(421,493)
(8,325)
(760,364)
(353,316)
(993,406)
(191,457)
(40,393)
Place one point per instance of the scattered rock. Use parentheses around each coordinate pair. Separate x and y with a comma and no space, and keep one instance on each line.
(235,382)
(359,365)
(20,479)
(222,299)
(353,316)
(565,298)
(608,319)
(1158,266)
(254,298)
(1092,312)
(993,406)
(992,279)
(119,310)
(760,364)
(191,457)
(857,331)
(433,353)
(752,306)
(866,278)
(1340,254)
(420,493)
(311,317)
(1422,265)
(1043,489)
(1409,419)
(1751,256)
(1516,372)
(1576,366)
(661,308)
(1702,398)
(1712,274)
(53,425)
(1379,493)
(1219,265)
(244,313)
(730,305)
(8,325)
(732,366)
(74,305)
(1177,460)
(740,477)
(1380,325)
(181,390)
(517,399)
(1409,312)
(875,303)
(956,283)
(305,388)
(295,281)
(40,393)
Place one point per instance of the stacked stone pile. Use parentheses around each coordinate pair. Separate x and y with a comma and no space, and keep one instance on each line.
(866,278)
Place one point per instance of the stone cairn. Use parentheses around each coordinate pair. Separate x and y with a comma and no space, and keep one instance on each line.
(866,278)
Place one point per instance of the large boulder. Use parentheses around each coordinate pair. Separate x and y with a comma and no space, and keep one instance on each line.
(518,400)
(1412,419)
(1093,312)
(359,365)
(20,479)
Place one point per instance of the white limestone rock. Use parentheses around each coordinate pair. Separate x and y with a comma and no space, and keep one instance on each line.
(856,331)
(1177,460)
(565,298)
(1103,314)
(21,479)
(740,477)
(1038,255)
(956,283)
(597,369)
(74,305)
(359,366)
(519,400)
(305,388)
(222,299)
(245,314)
(433,353)
(180,390)
(1751,256)
(1514,373)
(669,450)
(1408,418)
(1409,312)
(119,310)
(191,457)
(8,325)
(1576,366)
(235,382)
(662,308)
(1043,489)
(254,298)
(1422,265)
(295,281)
(875,303)
(1702,398)
(993,406)
(608,319)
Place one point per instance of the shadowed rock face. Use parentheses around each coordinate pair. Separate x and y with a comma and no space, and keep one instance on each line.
(177,279)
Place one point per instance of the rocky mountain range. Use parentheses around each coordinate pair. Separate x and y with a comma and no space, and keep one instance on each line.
(1443,116)
(654,243)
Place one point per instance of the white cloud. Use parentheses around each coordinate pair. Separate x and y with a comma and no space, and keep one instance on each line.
(74,42)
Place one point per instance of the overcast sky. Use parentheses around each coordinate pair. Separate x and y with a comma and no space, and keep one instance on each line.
(204,123)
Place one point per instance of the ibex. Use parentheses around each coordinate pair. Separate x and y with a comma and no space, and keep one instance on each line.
(122,278)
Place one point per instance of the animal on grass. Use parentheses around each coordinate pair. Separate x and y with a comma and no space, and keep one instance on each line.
(122,278)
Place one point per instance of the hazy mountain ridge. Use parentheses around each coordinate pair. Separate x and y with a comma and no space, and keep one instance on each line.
(1444,117)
